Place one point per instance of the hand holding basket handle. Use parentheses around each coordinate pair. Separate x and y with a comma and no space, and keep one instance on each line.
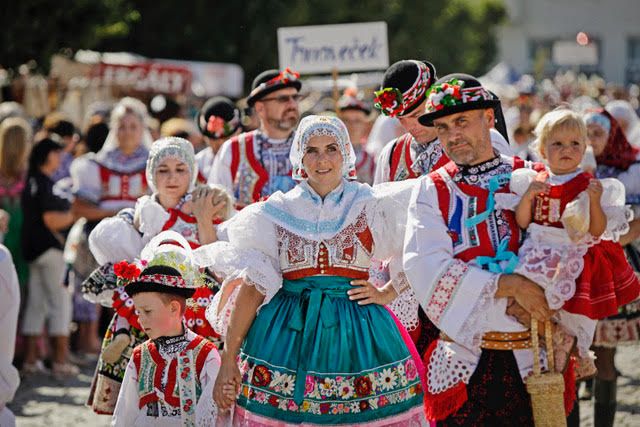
(546,389)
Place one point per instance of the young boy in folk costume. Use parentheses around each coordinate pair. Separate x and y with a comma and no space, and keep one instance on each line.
(169,379)
(171,173)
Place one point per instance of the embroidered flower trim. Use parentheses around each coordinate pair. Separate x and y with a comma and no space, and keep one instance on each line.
(446,286)
(163,279)
(339,394)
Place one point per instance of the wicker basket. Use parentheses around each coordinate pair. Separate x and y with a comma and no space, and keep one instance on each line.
(546,389)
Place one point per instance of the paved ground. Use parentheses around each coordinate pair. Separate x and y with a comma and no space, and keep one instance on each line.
(628,363)
(45,402)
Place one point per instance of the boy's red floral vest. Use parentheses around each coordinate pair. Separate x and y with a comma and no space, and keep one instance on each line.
(150,366)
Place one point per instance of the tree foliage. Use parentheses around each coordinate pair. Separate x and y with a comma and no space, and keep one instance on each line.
(456,35)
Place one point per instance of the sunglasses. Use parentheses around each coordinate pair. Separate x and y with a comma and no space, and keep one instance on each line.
(283,99)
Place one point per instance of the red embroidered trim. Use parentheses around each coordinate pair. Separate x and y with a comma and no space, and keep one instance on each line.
(124,195)
(263,175)
(447,284)
(201,349)
(402,147)
(119,304)
(235,155)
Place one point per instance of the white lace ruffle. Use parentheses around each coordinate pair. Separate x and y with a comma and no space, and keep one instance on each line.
(405,306)
(219,315)
(448,365)
(475,325)
(618,218)
(580,327)
(549,258)
(251,265)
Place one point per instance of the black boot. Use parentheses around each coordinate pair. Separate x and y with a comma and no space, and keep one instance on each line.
(604,408)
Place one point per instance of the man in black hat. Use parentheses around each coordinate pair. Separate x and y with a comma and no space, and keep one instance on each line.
(256,164)
(459,256)
(416,153)
(218,120)
(403,95)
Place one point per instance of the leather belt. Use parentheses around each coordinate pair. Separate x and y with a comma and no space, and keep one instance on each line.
(502,340)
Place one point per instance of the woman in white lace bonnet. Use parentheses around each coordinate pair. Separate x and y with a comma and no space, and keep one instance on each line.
(302,258)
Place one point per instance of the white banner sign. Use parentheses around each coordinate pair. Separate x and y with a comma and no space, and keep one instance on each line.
(571,53)
(323,48)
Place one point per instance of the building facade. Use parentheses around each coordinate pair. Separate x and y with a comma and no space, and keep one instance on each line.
(592,36)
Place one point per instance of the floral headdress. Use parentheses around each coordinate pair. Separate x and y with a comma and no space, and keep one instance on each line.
(126,272)
(217,127)
(456,93)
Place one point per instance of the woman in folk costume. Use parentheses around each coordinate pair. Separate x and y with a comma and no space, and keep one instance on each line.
(114,177)
(314,345)
(615,158)
(175,205)
(170,377)
(103,183)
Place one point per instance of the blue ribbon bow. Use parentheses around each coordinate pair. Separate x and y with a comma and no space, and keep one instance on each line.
(502,254)
(494,185)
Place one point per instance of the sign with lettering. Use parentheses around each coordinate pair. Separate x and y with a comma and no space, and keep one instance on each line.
(342,47)
(146,77)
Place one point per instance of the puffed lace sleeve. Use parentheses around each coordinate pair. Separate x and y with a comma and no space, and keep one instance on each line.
(151,216)
(85,178)
(613,204)
(575,217)
(388,221)
(115,239)
(250,254)
(388,217)
(520,181)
